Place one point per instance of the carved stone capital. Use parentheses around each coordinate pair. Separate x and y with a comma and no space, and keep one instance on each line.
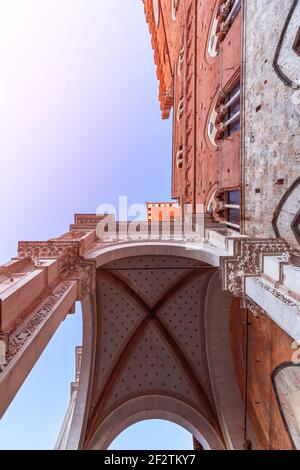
(87,221)
(71,265)
(49,250)
(247,260)
(67,252)
(85,274)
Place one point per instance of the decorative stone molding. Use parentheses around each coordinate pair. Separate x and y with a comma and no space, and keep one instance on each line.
(66,251)
(6,272)
(78,359)
(85,274)
(224,9)
(38,289)
(218,206)
(49,250)
(286,257)
(247,261)
(166,99)
(279,295)
(159,40)
(254,308)
(181,60)
(71,265)
(10,345)
(221,24)
(90,220)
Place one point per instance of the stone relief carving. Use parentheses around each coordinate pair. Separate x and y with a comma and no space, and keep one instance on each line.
(85,273)
(81,219)
(247,261)
(6,272)
(71,265)
(279,295)
(49,250)
(9,346)
(254,308)
(218,206)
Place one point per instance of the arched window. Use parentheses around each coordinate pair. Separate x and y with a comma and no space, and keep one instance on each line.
(213,42)
(225,116)
(222,20)
(224,205)
(212,126)
(156,11)
(179,157)
(180,108)
(232,111)
(180,60)
(229,10)
(175,5)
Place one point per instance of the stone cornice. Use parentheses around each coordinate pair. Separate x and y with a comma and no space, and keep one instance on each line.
(71,264)
(166,97)
(247,260)
(85,274)
(52,249)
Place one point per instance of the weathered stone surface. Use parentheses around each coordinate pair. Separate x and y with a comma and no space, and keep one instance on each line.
(271,160)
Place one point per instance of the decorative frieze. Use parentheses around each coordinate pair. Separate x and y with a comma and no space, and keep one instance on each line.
(247,260)
(278,294)
(254,308)
(66,251)
(85,274)
(71,265)
(4,271)
(49,250)
(88,219)
(38,289)
(11,345)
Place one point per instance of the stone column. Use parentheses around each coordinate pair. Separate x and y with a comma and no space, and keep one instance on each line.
(38,289)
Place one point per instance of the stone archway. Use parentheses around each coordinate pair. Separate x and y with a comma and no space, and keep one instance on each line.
(155,407)
(146,346)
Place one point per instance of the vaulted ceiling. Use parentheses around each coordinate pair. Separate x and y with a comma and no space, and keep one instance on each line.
(151,335)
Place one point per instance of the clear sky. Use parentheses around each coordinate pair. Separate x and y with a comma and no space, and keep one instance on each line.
(79,125)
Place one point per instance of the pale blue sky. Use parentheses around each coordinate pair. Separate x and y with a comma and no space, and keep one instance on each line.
(80,125)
